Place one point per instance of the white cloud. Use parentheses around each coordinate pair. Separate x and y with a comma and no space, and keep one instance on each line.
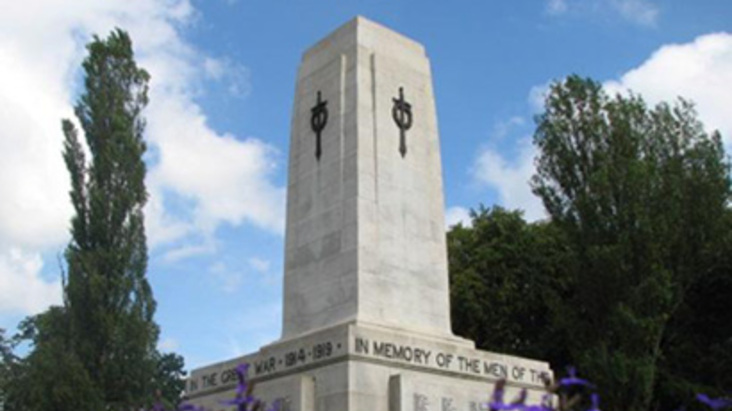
(22,290)
(216,178)
(503,129)
(537,96)
(227,180)
(35,209)
(162,226)
(700,70)
(187,251)
(214,68)
(641,12)
(510,179)
(556,6)
(235,75)
(259,264)
(168,344)
(227,279)
(457,215)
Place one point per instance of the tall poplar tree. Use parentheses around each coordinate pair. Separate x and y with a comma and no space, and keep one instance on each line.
(107,297)
(97,351)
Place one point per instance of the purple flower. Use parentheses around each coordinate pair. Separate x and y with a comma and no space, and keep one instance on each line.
(496,402)
(242,370)
(189,407)
(240,401)
(520,401)
(595,402)
(276,404)
(241,373)
(243,395)
(507,407)
(499,406)
(546,400)
(714,403)
(573,380)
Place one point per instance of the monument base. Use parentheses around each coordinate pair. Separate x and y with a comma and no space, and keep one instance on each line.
(366,367)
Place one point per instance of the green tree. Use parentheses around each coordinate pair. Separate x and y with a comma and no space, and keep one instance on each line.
(98,351)
(108,299)
(698,340)
(505,276)
(7,363)
(641,194)
(169,379)
(51,377)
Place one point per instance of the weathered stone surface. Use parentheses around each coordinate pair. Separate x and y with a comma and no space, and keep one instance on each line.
(365,224)
(366,320)
(356,365)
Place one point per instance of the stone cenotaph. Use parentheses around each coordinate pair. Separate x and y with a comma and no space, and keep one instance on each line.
(366,319)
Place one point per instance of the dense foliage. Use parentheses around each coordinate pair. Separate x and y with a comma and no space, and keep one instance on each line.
(504,272)
(627,278)
(98,351)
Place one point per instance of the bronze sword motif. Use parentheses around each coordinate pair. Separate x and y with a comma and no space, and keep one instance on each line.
(402,114)
(318,120)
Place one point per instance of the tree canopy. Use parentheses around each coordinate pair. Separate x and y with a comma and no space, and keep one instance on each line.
(630,261)
(98,351)
(503,271)
(109,300)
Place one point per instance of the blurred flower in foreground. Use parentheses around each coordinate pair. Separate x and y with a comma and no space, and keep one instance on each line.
(244,395)
(190,407)
(560,389)
(497,397)
(572,379)
(242,398)
(595,402)
(714,403)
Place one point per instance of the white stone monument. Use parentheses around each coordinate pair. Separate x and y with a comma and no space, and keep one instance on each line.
(366,322)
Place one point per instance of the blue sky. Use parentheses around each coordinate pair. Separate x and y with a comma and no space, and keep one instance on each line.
(223,78)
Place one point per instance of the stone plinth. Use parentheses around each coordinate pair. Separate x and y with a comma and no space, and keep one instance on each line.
(352,367)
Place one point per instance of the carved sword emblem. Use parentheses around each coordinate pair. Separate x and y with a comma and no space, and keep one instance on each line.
(318,120)
(402,114)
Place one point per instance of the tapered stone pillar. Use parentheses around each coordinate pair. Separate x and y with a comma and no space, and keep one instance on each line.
(365,211)
(366,319)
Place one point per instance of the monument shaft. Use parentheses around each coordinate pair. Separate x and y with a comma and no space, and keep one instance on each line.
(366,321)
(365,237)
